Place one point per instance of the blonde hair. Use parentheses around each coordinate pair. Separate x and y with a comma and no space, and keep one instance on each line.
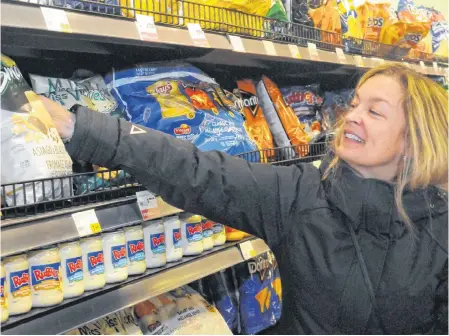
(426,136)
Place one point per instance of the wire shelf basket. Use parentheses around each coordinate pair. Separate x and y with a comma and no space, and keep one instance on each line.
(212,18)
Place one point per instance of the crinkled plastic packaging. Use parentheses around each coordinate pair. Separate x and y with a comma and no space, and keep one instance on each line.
(373,17)
(254,118)
(182,101)
(327,17)
(30,144)
(284,124)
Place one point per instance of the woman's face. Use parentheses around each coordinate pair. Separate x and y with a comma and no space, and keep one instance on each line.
(373,140)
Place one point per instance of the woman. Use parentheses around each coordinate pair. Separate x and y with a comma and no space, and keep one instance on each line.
(361,243)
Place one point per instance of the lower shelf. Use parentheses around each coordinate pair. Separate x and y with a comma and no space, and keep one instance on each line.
(114,297)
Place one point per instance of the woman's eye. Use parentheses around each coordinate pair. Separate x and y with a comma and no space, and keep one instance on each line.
(374,113)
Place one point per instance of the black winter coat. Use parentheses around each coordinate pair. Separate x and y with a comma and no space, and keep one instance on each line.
(341,247)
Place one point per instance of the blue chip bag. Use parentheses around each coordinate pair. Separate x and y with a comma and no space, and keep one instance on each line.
(180,100)
(302,99)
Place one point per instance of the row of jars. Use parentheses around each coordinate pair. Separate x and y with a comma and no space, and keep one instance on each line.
(45,277)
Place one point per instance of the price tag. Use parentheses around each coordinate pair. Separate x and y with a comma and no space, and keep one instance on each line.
(269,48)
(359,61)
(56,19)
(423,66)
(148,206)
(237,43)
(197,35)
(247,249)
(340,55)
(146,28)
(86,222)
(313,52)
(435,66)
(294,50)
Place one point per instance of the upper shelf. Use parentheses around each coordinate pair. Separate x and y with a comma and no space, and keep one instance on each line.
(96,33)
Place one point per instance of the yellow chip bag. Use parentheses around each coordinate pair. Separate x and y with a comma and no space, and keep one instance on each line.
(372,17)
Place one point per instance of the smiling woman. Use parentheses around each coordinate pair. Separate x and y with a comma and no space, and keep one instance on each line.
(396,130)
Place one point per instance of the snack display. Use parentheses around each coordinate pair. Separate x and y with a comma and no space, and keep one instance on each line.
(182,101)
(284,125)
(327,18)
(31,148)
(372,16)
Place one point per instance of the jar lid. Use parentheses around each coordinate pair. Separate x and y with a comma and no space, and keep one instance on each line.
(133,227)
(44,248)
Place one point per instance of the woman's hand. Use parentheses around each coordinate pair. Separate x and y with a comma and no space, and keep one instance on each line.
(63,120)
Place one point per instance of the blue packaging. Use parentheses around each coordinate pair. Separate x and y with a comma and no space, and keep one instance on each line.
(99,6)
(180,100)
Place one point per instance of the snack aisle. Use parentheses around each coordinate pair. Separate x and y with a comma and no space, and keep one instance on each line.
(273,80)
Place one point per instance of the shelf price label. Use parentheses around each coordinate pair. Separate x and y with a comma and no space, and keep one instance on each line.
(86,222)
(148,206)
(146,28)
(197,35)
(247,250)
(294,51)
(56,20)
(269,48)
(435,66)
(359,61)
(340,55)
(237,43)
(422,65)
(313,51)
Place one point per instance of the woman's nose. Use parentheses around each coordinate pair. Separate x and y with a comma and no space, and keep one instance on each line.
(354,116)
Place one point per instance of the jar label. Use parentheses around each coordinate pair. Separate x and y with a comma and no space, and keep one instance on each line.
(194,232)
(157,242)
(177,238)
(19,284)
(218,228)
(207,228)
(118,256)
(74,269)
(95,262)
(2,292)
(136,250)
(46,277)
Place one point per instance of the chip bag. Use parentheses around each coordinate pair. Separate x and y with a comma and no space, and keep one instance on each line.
(180,100)
(284,124)
(327,18)
(372,17)
(254,117)
(155,8)
(417,23)
(304,100)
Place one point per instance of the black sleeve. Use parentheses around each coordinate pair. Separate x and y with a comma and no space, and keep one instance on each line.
(260,199)
(441,303)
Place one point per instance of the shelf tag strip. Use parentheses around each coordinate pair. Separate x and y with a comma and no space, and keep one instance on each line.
(146,28)
(56,20)
(148,205)
(86,222)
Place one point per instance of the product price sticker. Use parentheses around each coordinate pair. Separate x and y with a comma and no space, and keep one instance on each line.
(435,66)
(247,250)
(56,20)
(359,61)
(237,43)
(313,51)
(86,222)
(197,35)
(148,205)
(294,51)
(269,48)
(340,55)
(146,28)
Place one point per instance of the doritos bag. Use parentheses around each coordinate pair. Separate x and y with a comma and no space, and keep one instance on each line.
(283,123)
(260,293)
(255,119)
(373,17)
(182,101)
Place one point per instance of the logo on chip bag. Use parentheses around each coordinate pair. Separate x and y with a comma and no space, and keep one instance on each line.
(184,129)
(163,89)
(375,22)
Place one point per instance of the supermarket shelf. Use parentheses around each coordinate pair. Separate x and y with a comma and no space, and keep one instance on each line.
(58,226)
(94,305)
(94,34)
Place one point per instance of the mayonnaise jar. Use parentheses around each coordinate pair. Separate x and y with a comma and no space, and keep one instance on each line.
(46,277)
(191,234)
(136,250)
(18,287)
(3,294)
(72,269)
(115,259)
(208,239)
(172,227)
(93,262)
(155,248)
(219,234)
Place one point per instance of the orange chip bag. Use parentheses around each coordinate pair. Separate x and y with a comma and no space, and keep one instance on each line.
(256,123)
(285,126)
(393,30)
(327,17)
(373,16)
(417,24)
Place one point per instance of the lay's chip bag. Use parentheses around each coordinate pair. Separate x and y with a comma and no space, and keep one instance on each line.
(180,100)
(372,17)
